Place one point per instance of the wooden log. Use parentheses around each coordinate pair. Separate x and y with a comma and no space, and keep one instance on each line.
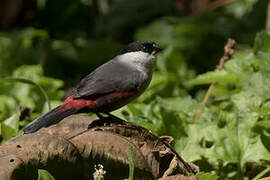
(72,148)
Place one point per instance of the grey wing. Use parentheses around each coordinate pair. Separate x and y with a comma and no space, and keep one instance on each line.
(110,77)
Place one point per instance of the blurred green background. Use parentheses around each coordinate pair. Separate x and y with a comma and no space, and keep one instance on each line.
(53,44)
(71,38)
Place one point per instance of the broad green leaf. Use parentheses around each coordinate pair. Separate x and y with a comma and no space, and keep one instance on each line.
(7,132)
(262,42)
(26,88)
(240,7)
(8,106)
(160,31)
(162,84)
(26,81)
(218,76)
(207,176)
(44,175)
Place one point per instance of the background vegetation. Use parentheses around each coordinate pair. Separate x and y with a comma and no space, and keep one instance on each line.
(47,46)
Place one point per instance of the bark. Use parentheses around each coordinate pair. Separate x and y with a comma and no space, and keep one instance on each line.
(72,148)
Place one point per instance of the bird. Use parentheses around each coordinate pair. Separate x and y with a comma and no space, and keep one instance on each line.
(109,87)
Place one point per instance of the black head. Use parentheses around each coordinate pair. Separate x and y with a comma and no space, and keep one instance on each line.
(144,46)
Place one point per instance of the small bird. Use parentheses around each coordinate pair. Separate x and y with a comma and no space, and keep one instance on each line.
(109,87)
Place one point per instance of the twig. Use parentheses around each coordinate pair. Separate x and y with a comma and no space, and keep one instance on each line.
(201,6)
(218,3)
(228,51)
(267,24)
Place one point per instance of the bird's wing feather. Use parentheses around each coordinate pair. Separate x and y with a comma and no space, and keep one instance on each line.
(110,77)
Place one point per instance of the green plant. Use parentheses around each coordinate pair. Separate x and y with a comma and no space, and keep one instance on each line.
(232,133)
(26,88)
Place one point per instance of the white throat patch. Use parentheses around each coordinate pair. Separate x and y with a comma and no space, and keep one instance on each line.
(139,59)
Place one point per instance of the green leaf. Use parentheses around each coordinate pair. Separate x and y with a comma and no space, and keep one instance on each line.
(162,84)
(207,176)
(240,7)
(13,121)
(7,107)
(7,132)
(220,76)
(27,88)
(26,81)
(44,175)
(262,125)
(262,42)
(176,32)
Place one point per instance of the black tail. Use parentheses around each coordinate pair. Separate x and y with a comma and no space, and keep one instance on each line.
(48,119)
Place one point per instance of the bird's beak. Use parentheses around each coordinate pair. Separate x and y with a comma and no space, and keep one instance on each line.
(157,49)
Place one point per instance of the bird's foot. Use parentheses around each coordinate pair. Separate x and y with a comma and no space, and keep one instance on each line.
(110,120)
(118,120)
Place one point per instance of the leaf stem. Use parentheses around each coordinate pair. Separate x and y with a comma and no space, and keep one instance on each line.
(267,24)
(131,162)
(261,174)
(219,3)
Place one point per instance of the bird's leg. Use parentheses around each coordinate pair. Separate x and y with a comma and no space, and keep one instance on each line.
(99,116)
(114,117)
(103,121)
(110,120)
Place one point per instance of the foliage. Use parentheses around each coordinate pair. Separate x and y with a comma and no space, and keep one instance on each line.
(27,43)
(44,175)
(18,93)
(231,138)
(207,176)
(233,130)
(241,7)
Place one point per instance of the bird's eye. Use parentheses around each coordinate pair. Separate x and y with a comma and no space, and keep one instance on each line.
(147,49)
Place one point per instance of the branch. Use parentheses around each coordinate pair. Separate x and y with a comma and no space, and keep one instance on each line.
(267,24)
(219,3)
